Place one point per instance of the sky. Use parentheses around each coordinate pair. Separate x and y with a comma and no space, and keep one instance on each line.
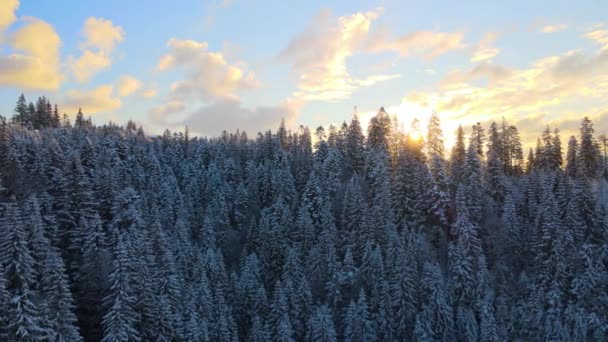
(244,64)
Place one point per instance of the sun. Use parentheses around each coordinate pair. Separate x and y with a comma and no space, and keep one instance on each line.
(415,135)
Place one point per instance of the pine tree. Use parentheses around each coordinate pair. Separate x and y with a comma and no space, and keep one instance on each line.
(531,162)
(121,316)
(457,158)
(403,288)
(478,139)
(60,301)
(4,302)
(434,140)
(439,192)
(25,317)
(21,111)
(514,229)
(356,321)
(92,278)
(435,321)
(379,131)
(321,326)
(472,181)
(354,217)
(463,253)
(355,145)
(494,175)
(571,157)
(280,322)
(588,152)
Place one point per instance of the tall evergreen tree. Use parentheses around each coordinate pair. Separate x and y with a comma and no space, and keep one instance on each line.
(25,313)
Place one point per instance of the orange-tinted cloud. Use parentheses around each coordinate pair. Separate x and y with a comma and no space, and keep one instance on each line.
(128,85)
(100,99)
(600,37)
(318,56)
(101,37)
(7,13)
(429,44)
(34,64)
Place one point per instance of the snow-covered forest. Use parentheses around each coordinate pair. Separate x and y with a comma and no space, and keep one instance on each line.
(336,234)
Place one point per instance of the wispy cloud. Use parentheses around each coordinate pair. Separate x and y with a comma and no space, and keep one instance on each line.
(429,44)
(600,37)
(318,56)
(553,28)
(485,49)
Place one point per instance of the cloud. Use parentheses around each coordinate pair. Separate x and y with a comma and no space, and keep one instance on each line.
(485,70)
(428,44)
(164,114)
(553,28)
(128,85)
(318,55)
(485,49)
(225,3)
(88,65)
(101,37)
(101,34)
(149,93)
(100,99)
(542,92)
(206,75)
(34,64)
(7,13)
(600,37)
(568,122)
(206,121)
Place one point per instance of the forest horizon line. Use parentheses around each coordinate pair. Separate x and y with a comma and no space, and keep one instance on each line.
(109,235)
(44,113)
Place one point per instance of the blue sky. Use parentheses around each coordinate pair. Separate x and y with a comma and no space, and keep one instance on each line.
(247,64)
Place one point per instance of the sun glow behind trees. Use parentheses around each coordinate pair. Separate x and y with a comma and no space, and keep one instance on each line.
(413,119)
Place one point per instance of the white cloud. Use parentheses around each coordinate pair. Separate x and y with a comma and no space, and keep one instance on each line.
(207,75)
(128,85)
(101,37)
